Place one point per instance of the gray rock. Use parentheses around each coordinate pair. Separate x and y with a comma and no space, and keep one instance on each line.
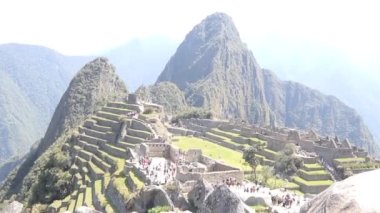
(149,197)
(13,207)
(198,194)
(222,200)
(85,209)
(355,194)
(258,200)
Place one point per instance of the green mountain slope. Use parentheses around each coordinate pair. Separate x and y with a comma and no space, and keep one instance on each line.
(32,80)
(89,90)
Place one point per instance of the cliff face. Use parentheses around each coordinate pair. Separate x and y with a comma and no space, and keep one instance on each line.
(215,70)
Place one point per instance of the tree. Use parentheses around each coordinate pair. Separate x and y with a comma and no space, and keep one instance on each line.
(287,162)
(249,155)
(266,174)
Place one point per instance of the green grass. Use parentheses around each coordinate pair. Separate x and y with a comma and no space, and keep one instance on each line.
(88,199)
(136,180)
(96,169)
(317,172)
(313,183)
(56,204)
(349,160)
(121,187)
(72,206)
(275,183)
(226,132)
(80,200)
(98,186)
(260,208)
(212,150)
(313,166)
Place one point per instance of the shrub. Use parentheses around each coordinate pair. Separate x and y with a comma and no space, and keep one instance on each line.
(193,113)
(148,111)
(159,209)
(287,162)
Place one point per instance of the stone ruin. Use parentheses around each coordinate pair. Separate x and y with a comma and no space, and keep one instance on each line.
(327,148)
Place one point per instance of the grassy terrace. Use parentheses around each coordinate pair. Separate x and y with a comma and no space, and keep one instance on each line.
(121,187)
(317,172)
(254,140)
(313,183)
(136,180)
(88,199)
(226,132)
(349,160)
(212,150)
(314,166)
(228,140)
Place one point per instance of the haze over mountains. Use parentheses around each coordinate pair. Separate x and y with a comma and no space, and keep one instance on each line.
(35,77)
(217,71)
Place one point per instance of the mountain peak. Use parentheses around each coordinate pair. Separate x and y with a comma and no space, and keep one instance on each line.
(217,26)
(94,85)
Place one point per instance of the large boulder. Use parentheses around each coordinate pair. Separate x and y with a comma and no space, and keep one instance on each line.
(261,200)
(223,200)
(198,194)
(355,194)
(149,197)
(85,209)
(13,207)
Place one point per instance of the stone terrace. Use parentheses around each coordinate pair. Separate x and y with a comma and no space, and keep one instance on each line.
(99,151)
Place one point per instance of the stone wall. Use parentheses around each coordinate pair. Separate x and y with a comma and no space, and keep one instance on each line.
(218,177)
(314,177)
(115,198)
(211,177)
(312,189)
(140,125)
(158,150)
(218,166)
(329,154)
(173,154)
(193,155)
(178,131)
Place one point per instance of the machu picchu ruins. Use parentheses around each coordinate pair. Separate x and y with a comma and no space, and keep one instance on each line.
(131,149)
(160,125)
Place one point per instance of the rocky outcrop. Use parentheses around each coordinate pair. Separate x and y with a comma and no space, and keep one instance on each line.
(198,194)
(222,200)
(215,70)
(147,198)
(354,194)
(13,207)
(85,209)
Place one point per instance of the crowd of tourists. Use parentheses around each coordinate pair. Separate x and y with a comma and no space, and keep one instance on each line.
(158,170)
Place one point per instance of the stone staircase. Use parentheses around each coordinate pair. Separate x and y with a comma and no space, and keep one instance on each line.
(97,155)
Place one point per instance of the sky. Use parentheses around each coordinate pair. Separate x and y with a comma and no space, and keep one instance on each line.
(272,29)
(77,27)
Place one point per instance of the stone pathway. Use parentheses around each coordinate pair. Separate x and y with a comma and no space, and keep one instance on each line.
(266,194)
(160,170)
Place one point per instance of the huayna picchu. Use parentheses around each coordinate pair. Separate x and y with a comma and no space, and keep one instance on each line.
(216,133)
